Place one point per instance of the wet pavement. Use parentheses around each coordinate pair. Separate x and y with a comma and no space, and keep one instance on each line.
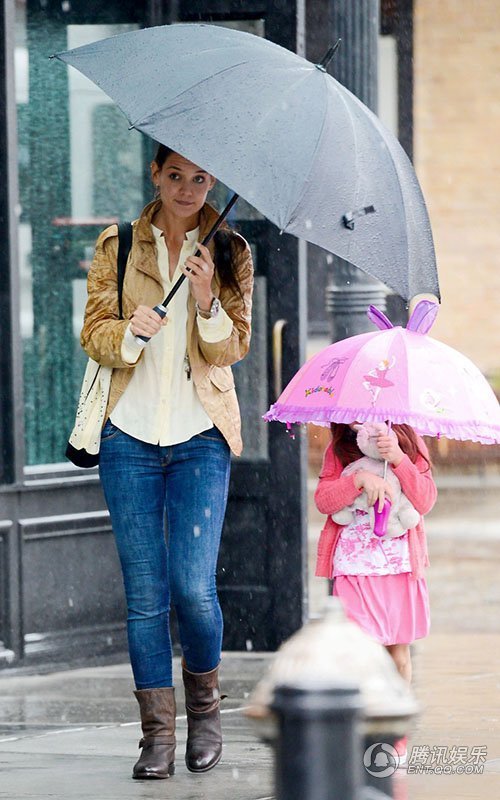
(73,735)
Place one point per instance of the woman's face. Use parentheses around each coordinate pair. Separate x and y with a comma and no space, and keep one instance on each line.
(183,186)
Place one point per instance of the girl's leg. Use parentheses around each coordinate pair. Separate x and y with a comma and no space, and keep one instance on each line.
(132,475)
(400,654)
(197,488)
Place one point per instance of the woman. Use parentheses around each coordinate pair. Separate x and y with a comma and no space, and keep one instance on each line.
(172,420)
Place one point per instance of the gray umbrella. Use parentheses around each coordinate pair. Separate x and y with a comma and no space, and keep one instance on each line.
(279,131)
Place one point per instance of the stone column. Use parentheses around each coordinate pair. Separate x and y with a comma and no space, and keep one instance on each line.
(355,65)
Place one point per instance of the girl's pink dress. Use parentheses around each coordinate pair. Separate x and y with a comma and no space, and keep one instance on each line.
(372,578)
(392,607)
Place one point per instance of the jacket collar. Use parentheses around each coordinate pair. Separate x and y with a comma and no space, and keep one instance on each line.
(144,253)
(142,227)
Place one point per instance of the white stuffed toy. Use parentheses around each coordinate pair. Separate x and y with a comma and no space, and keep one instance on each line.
(403,514)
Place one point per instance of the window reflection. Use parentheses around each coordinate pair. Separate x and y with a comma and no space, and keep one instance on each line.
(80,168)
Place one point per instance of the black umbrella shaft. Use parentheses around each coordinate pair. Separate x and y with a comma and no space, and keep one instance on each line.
(161,310)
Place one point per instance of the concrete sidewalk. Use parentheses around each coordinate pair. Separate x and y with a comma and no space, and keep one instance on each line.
(73,735)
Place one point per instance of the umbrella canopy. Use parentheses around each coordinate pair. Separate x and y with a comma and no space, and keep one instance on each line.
(280,132)
(395,374)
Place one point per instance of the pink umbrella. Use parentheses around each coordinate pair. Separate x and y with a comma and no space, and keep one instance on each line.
(395,374)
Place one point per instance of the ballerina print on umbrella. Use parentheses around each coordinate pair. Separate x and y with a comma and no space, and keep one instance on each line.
(376,380)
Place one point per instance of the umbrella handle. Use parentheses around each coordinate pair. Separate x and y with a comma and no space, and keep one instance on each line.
(162,309)
(382,517)
(389,426)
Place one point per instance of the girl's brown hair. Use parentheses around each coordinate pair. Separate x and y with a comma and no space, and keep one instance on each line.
(227,245)
(346,449)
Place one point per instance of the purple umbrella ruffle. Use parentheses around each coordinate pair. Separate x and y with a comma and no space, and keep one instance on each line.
(463,430)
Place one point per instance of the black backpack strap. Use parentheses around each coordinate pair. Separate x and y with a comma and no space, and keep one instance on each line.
(125,232)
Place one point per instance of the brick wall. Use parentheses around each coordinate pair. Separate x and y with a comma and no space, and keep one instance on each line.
(457,159)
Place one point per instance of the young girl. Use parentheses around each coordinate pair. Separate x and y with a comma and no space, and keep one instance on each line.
(380,581)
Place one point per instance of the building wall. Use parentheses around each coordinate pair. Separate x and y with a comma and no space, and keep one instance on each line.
(457,158)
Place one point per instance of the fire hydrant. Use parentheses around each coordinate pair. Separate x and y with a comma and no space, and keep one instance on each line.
(332,704)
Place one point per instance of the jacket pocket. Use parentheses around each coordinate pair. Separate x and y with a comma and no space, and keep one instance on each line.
(222,378)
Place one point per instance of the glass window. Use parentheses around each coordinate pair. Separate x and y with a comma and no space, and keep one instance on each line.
(80,169)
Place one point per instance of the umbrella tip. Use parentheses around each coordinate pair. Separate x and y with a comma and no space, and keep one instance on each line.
(328,56)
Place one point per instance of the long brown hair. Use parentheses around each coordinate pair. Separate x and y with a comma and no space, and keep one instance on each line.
(227,245)
(346,449)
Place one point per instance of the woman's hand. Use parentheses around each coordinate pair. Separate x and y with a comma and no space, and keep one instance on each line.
(375,487)
(200,270)
(146,322)
(389,449)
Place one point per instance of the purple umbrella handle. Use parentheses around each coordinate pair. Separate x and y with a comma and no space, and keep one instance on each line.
(381,518)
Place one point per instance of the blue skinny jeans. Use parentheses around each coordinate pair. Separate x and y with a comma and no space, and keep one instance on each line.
(167,507)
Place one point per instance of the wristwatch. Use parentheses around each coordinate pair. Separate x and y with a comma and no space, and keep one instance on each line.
(213,310)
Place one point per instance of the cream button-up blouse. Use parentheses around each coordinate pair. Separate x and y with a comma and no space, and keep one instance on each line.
(160,404)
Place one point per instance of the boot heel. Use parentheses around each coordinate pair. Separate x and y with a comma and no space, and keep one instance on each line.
(171,769)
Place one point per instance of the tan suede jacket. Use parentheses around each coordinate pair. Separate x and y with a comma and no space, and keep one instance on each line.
(103,331)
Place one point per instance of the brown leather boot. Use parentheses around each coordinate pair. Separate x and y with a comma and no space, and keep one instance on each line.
(158,730)
(204,742)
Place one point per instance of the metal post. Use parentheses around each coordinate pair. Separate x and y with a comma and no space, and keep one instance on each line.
(381,779)
(11,374)
(333,705)
(347,306)
(318,749)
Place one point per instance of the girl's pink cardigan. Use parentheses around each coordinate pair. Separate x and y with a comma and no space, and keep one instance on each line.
(335,491)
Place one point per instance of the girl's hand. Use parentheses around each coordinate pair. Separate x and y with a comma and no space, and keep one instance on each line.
(200,270)
(146,322)
(389,449)
(375,487)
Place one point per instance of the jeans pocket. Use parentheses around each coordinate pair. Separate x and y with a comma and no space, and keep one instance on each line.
(109,431)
